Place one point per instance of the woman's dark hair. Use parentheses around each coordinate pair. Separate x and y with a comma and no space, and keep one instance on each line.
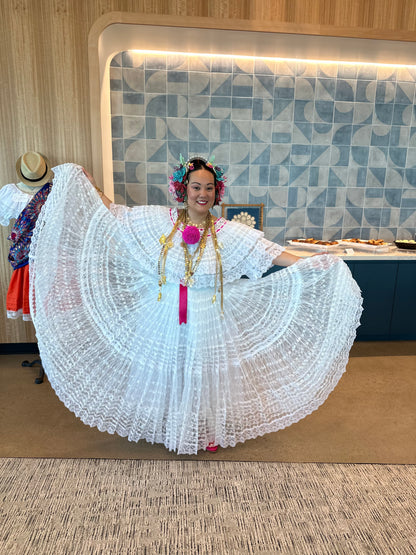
(201,164)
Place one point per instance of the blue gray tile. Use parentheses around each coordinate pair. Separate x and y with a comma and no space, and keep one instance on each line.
(392,198)
(221,84)
(322,133)
(325,89)
(280,154)
(316,196)
(397,156)
(303,110)
(298,176)
(376,177)
(340,155)
(241,131)
(199,83)
(301,132)
(345,90)
(199,106)
(342,134)
(359,155)
(380,135)
(260,154)
(318,176)
(357,177)
(329,147)
(155,105)
(361,135)
(220,130)
(177,106)
(305,88)
(385,92)
(344,112)
(279,176)
(283,109)
(324,111)
(365,91)
(402,114)
(295,217)
(338,177)
(198,130)
(155,81)
(400,136)
(242,85)
(262,131)
(262,109)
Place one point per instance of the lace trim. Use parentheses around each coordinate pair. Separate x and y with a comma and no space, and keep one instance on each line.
(219,222)
(14,315)
(12,202)
(245,250)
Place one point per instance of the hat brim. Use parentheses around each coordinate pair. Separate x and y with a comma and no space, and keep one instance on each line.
(47,178)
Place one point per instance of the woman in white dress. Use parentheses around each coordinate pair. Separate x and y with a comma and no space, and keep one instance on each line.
(146,330)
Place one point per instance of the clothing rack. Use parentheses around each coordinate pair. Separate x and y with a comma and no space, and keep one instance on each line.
(36,362)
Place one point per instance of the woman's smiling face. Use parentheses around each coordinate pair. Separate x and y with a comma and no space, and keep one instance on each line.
(201,194)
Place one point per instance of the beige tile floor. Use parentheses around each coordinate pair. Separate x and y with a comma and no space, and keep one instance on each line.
(369,418)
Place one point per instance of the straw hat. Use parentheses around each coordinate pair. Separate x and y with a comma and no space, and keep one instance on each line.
(34,169)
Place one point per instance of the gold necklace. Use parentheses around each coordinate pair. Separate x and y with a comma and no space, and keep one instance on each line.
(190,266)
(188,221)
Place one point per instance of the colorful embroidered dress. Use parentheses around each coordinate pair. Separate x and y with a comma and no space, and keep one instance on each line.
(25,208)
(119,359)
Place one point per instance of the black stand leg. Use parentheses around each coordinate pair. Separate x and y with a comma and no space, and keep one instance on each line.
(36,362)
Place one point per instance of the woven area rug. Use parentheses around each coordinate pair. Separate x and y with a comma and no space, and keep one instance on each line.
(122,507)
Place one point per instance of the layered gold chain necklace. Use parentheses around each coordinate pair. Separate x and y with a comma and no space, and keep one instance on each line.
(191,266)
(192,261)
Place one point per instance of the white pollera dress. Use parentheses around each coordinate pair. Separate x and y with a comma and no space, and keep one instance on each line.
(119,359)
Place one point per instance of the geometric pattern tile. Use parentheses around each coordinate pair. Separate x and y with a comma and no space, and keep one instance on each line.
(329,149)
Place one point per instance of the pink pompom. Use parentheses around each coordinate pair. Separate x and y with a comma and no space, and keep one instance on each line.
(191,235)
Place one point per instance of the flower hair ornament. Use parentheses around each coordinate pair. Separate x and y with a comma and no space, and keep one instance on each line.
(179,179)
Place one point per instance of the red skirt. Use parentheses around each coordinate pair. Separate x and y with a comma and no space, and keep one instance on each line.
(17,300)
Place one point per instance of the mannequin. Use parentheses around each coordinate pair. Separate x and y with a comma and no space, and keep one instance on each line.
(23,201)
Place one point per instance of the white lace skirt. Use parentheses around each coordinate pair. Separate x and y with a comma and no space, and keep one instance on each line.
(121,362)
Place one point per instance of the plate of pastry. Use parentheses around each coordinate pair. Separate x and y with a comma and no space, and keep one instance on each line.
(374,245)
(314,244)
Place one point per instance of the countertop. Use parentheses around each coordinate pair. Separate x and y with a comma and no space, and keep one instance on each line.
(389,253)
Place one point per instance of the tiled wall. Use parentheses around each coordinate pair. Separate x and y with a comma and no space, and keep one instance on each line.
(330,149)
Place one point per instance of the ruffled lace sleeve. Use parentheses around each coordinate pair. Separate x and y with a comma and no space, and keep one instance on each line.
(12,202)
(246,252)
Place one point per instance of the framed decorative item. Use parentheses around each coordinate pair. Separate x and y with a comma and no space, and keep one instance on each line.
(249,214)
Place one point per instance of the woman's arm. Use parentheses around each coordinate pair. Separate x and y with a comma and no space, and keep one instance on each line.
(285,259)
(106,200)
